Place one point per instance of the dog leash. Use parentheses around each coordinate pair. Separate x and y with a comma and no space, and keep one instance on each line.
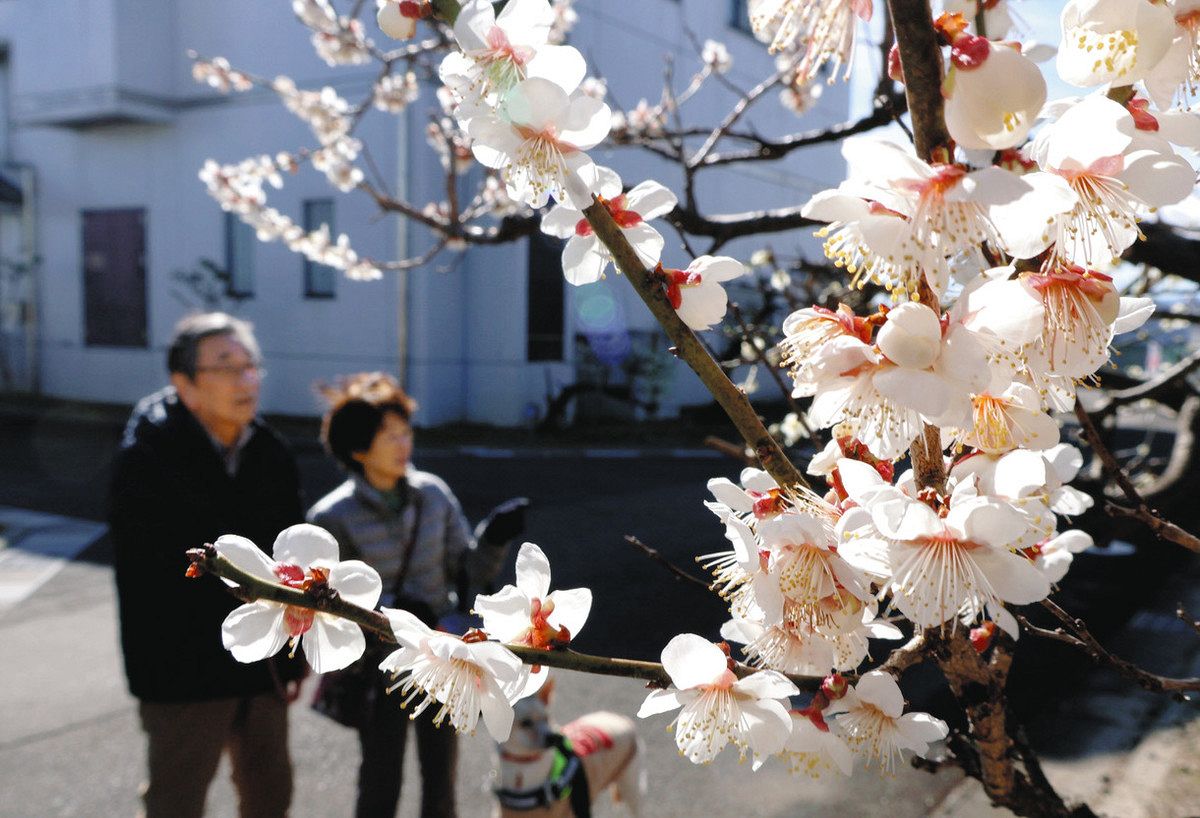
(568,779)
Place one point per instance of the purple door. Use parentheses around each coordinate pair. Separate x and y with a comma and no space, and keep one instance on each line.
(114,277)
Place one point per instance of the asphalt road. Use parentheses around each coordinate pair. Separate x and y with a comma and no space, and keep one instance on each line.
(69,738)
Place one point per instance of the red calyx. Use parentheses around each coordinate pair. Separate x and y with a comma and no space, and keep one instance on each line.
(674,280)
(895,68)
(855,449)
(970,51)
(981,637)
(813,714)
(1142,118)
(290,575)
(767,504)
(1032,552)
(414,10)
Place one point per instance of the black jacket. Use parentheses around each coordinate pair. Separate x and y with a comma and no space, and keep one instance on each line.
(170,492)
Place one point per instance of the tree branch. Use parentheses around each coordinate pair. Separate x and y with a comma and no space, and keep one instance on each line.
(656,556)
(1141,510)
(1082,638)
(689,348)
(326,600)
(885,108)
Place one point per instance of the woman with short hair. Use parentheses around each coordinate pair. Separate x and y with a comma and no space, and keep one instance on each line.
(408,526)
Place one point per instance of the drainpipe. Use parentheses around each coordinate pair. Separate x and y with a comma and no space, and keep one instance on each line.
(403,242)
(29,256)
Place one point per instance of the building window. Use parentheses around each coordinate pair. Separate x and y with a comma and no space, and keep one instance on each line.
(240,241)
(739,15)
(114,277)
(319,279)
(544,300)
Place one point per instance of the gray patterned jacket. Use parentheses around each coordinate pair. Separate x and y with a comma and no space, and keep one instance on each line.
(356,514)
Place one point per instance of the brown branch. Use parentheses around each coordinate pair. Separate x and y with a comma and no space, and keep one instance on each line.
(885,108)
(1140,510)
(656,556)
(1083,639)
(689,348)
(733,451)
(910,654)
(739,109)
(1181,613)
(1168,378)
(978,685)
(921,60)
(726,227)
(326,600)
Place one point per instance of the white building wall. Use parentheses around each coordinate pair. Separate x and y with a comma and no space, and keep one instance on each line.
(456,328)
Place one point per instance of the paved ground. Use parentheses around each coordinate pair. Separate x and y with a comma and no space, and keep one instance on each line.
(69,739)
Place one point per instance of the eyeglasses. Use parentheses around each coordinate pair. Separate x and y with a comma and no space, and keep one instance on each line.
(235,371)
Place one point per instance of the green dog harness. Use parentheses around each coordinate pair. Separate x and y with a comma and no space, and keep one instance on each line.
(567,779)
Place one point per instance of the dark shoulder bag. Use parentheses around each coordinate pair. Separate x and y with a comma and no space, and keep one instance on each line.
(346,695)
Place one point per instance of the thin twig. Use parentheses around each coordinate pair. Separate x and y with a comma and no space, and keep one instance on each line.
(1083,639)
(1141,509)
(656,555)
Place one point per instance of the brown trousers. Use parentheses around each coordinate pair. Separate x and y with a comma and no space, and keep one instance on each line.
(185,744)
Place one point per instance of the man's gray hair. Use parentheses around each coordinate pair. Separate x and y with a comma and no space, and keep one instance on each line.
(192,329)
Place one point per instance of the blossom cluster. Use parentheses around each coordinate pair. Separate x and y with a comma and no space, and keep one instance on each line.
(469,676)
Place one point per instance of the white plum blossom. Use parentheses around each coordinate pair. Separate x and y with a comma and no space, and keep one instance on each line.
(919,218)
(500,50)
(396,19)
(871,717)
(742,575)
(1054,556)
(217,73)
(303,554)
(756,494)
(696,292)
(467,678)
(992,100)
(804,558)
(1116,176)
(537,140)
(823,30)
(1113,42)
(1011,419)
(716,707)
(915,372)
(941,562)
(394,93)
(585,257)
(785,646)
(1081,312)
(864,237)
(813,748)
(530,614)
(715,57)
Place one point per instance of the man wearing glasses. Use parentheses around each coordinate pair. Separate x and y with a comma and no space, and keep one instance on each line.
(195,463)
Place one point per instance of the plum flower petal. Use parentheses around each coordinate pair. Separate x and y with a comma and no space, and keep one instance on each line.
(468,680)
(870,717)
(304,554)
(715,706)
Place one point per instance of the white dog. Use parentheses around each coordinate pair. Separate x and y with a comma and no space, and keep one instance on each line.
(549,773)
